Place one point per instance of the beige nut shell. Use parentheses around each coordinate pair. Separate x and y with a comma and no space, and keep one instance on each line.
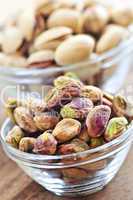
(41,56)
(64,17)
(51,37)
(74,49)
(122,15)
(113,35)
(95,19)
(11,40)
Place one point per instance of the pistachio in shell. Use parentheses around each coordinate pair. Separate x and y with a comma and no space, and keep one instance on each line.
(14,136)
(41,59)
(12,39)
(51,38)
(45,144)
(97,120)
(75,146)
(64,17)
(46,120)
(93,93)
(26,144)
(95,18)
(74,174)
(122,15)
(115,128)
(78,108)
(66,130)
(111,38)
(74,49)
(24,119)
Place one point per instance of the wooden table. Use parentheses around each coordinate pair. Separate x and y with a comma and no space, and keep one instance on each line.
(15,185)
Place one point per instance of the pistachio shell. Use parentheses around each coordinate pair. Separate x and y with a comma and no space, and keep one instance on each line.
(64,17)
(51,38)
(95,19)
(66,129)
(11,40)
(24,119)
(97,120)
(14,136)
(45,144)
(46,120)
(122,15)
(111,38)
(27,144)
(74,49)
(115,128)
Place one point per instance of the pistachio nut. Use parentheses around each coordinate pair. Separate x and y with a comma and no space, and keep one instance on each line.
(64,17)
(75,146)
(45,7)
(30,23)
(41,59)
(78,108)
(45,144)
(68,51)
(51,38)
(11,104)
(46,120)
(93,93)
(119,105)
(66,130)
(14,136)
(24,119)
(95,142)
(122,15)
(111,38)
(95,19)
(97,120)
(84,135)
(74,174)
(71,75)
(12,39)
(16,60)
(35,105)
(115,128)
(26,144)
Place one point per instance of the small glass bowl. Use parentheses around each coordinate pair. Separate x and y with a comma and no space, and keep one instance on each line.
(106,70)
(73,175)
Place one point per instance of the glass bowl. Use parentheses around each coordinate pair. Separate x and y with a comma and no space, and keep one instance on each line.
(104,70)
(73,175)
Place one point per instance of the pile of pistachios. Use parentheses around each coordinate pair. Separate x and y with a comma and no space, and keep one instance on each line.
(72,118)
(59,32)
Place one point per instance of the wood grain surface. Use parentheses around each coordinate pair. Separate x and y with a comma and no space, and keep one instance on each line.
(15,185)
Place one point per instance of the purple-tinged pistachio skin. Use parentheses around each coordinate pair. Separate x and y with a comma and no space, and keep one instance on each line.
(75,146)
(24,119)
(97,120)
(115,128)
(93,93)
(14,136)
(96,142)
(78,108)
(84,134)
(27,144)
(66,130)
(46,120)
(45,144)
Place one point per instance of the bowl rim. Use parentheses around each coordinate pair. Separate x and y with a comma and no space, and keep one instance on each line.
(18,71)
(32,156)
